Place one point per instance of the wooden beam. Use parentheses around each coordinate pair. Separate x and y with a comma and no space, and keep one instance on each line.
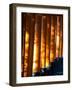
(58,37)
(31,49)
(37,39)
(27,45)
(61,36)
(43,42)
(48,34)
(52,40)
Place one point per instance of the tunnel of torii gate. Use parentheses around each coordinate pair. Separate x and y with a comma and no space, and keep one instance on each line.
(42,42)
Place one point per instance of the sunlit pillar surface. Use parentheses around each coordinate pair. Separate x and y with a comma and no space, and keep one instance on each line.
(26,53)
(52,39)
(27,46)
(48,30)
(43,42)
(61,36)
(58,37)
(36,54)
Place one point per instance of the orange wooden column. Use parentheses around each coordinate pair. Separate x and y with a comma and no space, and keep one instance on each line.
(37,39)
(43,41)
(58,37)
(48,32)
(27,38)
(31,44)
(61,36)
(52,39)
